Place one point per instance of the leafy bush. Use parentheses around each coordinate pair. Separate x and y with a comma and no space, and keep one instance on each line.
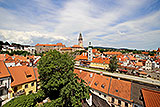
(26,100)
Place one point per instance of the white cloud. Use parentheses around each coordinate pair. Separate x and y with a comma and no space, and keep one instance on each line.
(26,37)
(116,22)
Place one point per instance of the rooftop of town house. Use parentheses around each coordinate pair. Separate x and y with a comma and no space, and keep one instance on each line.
(3,70)
(139,64)
(151,98)
(21,75)
(2,57)
(101,83)
(81,57)
(66,48)
(101,60)
(76,46)
(58,44)
(112,53)
(120,88)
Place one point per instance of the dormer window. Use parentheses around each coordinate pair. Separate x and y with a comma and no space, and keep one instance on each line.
(28,74)
(96,83)
(89,82)
(102,85)
(116,90)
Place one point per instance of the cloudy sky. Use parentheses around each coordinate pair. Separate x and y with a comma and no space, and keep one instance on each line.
(110,23)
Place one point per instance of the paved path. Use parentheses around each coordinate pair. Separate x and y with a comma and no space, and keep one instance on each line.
(128,77)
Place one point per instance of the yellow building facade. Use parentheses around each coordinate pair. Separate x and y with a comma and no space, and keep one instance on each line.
(99,65)
(23,89)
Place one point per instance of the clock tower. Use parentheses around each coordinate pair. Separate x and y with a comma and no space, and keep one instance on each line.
(80,40)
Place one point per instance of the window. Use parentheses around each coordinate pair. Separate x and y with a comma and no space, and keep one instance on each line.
(119,102)
(102,86)
(99,93)
(1,92)
(30,92)
(116,90)
(126,104)
(113,100)
(105,96)
(1,82)
(26,86)
(95,83)
(32,84)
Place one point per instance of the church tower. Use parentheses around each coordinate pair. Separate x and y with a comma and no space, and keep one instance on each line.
(80,40)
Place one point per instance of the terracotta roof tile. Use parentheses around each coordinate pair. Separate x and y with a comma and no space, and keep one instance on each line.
(120,88)
(66,48)
(3,70)
(76,46)
(101,83)
(19,75)
(101,60)
(2,57)
(81,57)
(151,98)
(139,64)
(112,53)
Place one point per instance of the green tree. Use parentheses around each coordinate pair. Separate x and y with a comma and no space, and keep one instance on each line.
(59,82)
(113,64)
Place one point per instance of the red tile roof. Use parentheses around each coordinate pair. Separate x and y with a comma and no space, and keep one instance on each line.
(145,53)
(81,57)
(139,64)
(19,75)
(102,83)
(2,57)
(45,44)
(120,88)
(76,46)
(142,72)
(101,60)
(112,53)
(66,48)
(151,98)
(3,70)
(58,44)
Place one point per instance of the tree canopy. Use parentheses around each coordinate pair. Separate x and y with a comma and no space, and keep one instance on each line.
(59,82)
(113,64)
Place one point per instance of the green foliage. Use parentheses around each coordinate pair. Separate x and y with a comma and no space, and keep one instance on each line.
(58,81)
(26,101)
(113,64)
(24,53)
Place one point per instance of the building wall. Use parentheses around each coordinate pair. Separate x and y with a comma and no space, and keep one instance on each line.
(22,87)
(99,65)
(4,87)
(10,64)
(108,99)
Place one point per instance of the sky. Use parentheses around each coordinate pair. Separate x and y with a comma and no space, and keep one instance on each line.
(131,24)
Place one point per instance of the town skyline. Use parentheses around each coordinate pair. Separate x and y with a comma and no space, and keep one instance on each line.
(121,24)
